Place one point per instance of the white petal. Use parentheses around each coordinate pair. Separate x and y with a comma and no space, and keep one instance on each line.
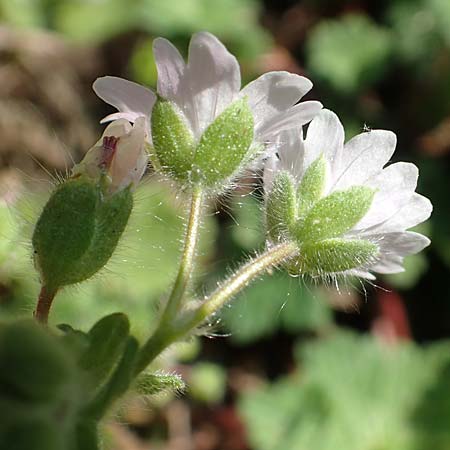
(117,128)
(170,66)
(126,96)
(394,186)
(129,116)
(273,93)
(325,136)
(393,264)
(416,211)
(214,80)
(360,274)
(271,167)
(364,156)
(394,247)
(130,160)
(291,152)
(294,117)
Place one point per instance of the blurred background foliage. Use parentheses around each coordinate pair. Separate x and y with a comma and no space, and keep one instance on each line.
(290,365)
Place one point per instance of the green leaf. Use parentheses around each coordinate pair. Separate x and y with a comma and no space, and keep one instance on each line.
(312,185)
(334,255)
(207,382)
(107,339)
(224,145)
(248,232)
(35,434)
(276,302)
(349,53)
(91,22)
(281,206)
(34,366)
(172,140)
(118,383)
(355,393)
(335,214)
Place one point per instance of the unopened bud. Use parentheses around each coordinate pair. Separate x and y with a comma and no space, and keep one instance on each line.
(82,222)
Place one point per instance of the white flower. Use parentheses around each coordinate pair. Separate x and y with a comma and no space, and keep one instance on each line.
(206,85)
(120,154)
(395,206)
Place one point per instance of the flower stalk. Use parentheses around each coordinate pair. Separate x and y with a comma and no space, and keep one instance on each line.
(186,267)
(167,334)
(44,304)
(253,269)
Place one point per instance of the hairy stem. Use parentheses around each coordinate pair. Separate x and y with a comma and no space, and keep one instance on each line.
(187,259)
(44,304)
(228,289)
(166,335)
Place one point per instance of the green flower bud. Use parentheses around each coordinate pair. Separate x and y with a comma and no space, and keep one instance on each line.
(157,383)
(210,159)
(78,231)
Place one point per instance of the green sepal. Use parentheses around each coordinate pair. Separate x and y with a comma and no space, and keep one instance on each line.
(334,255)
(335,214)
(107,339)
(156,383)
(281,206)
(112,216)
(64,230)
(35,367)
(224,145)
(173,142)
(77,231)
(312,185)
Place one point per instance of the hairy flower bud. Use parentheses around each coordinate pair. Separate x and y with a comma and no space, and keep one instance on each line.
(82,222)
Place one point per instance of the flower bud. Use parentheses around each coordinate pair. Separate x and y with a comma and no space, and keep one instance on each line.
(81,224)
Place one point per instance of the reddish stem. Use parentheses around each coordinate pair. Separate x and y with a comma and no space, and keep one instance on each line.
(44,304)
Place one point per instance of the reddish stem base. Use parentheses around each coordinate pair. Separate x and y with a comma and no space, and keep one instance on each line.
(44,304)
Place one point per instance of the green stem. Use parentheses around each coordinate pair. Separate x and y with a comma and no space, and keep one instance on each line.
(254,268)
(187,259)
(166,335)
